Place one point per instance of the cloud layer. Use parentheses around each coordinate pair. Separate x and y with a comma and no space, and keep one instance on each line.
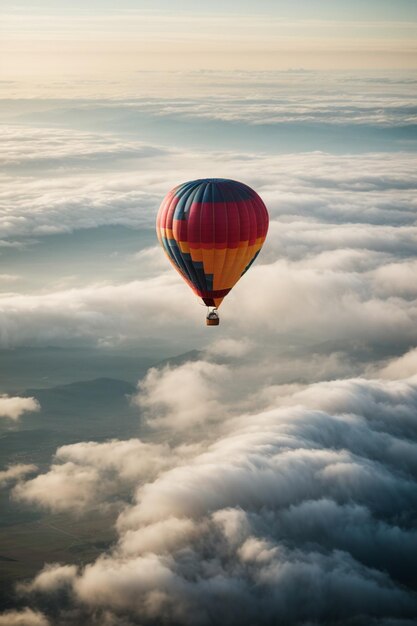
(339,262)
(275,477)
(312,497)
(62,180)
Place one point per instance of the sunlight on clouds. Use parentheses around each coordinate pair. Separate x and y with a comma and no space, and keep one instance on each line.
(12,407)
(301,496)
(24,617)
(15,473)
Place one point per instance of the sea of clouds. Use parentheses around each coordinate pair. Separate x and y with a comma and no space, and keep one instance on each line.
(277,481)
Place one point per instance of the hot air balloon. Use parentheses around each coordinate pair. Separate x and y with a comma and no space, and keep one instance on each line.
(212,230)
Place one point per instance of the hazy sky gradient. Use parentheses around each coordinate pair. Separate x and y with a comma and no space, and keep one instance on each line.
(51,39)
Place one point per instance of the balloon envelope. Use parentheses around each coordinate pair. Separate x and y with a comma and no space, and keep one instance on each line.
(212,231)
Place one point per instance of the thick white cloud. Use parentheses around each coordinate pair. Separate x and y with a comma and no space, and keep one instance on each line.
(109,313)
(398,279)
(66,487)
(402,367)
(233,348)
(184,397)
(12,407)
(165,536)
(75,483)
(52,578)
(302,497)
(320,305)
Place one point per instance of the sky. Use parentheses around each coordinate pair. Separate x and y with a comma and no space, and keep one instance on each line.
(154,470)
(52,40)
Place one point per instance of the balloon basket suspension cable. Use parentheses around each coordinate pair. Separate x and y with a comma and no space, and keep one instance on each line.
(212,317)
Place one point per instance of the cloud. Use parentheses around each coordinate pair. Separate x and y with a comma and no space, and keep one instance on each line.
(115,312)
(313,494)
(182,397)
(25,617)
(16,472)
(72,188)
(63,203)
(151,260)
(397,279)
(27,145)
(227,599)
(9,278)
(298,299)
(53,577)
(252,98)
(290,108)
(65,488)
(56,181)
(233,348)
(165,536)
(375,399)
(75,483)
(320,305)
(402,367)
(12,407)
